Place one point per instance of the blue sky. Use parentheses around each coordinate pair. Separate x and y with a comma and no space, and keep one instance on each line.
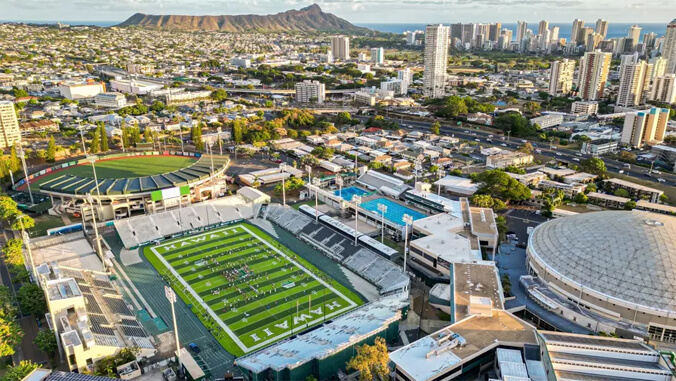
(356,11)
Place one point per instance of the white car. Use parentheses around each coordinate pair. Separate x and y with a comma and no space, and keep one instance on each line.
(559,154)
(576,159)
(661,180)
(503,144)
(477,140)
(524,141)
(538,150)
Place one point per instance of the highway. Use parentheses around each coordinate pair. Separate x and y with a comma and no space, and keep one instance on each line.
(482,137)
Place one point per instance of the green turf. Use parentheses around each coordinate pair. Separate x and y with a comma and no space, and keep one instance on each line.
(123,168)
(240,279)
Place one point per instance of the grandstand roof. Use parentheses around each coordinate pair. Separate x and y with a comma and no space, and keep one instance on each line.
(79,185)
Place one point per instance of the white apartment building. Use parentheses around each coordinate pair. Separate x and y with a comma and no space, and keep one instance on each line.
(664,89)
(340,47)
(634,81)
(561,77)
(548,121)
(397,86)
(642,127)
(187,97)
(9,125)
(110,100)
(436,60)
(410,38)
(659,67)
(241,62)
(308,91)
(405,75)
(133,86)
(584,108)
(669,51)
(378,56)
(593,75)
(74,91)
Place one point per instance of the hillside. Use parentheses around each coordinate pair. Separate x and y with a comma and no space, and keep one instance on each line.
(308,19)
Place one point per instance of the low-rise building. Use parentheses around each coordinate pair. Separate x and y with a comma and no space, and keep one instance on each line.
(548,121)
(44,125)
(636,191)
(507,159)
(457,185)
(135,86)
(310,91)
(584,108)
(599,147)
(666,155)
(77,90)
(110,100)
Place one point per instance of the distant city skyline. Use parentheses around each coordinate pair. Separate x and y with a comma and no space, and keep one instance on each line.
(355,11)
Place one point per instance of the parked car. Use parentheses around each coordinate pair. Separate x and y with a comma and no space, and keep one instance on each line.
(193,347)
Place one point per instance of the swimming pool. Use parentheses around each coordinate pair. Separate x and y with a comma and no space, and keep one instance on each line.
(395,212)
(349,192)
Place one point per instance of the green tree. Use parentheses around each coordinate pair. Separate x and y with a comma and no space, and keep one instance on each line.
(25,222)
(593,165)
(371,361)
(107,365)
(95,145)
(196,137)
(482,201)
(499,184)
(11,333)
(581,198)
(157,106)
(46,342)
(531,107)
(526,148)
(435,128)
(32,300)
(51,149)
(13,251)
(14,162)
(8,208)
(219,95)
(238,131)
(104,139)
(620,192)
(19,93)
(19,372)
(630,205)
(452,107)
(343,118)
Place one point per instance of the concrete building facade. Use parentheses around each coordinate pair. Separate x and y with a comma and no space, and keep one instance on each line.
(436,60)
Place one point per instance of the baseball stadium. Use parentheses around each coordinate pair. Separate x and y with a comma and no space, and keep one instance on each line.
(126,184)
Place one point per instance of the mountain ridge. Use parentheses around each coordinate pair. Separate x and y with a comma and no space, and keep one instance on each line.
(307,19)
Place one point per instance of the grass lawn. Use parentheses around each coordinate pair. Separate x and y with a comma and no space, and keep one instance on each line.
(249,290)
(44,223)
(122,168)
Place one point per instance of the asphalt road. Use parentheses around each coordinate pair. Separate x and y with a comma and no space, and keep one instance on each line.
(482,137)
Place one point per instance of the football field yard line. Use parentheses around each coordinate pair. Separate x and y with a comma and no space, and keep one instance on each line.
(261,246)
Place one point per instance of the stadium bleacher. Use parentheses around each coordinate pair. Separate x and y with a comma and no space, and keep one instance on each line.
(382,273)
(140,230)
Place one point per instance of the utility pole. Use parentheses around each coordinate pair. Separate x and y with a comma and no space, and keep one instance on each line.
(26,240)
(22,155)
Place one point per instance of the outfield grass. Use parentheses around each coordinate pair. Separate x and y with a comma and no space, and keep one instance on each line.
(137,166)
(234,279)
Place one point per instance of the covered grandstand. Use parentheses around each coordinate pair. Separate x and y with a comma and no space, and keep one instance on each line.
(141,230)
(339,245)
(119,198)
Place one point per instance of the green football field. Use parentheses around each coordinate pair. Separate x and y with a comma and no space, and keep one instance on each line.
(122,168)
(248,289)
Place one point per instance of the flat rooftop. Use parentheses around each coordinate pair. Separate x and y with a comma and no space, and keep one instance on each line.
(62,289)
(629,184)
(483,221)
(423,360)
(475,279)
(76,253)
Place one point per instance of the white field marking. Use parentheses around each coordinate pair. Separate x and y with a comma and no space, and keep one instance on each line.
(233,336)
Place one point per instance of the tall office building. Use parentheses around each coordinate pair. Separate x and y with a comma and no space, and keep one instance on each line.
(561,77)
(649,40)
(377,56)
(634,81)
(9,125)
(583,35)
(310,91)
(340,47)
(664,89)
(542,27)
(635,35)
(521,27)
(602,28)
(593,75)
(575,31)
(669,51)
(494,32)
(642,127)
(410,38)
(436,60)
(456,31)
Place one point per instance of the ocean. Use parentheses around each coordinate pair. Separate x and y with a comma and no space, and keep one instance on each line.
(614,30)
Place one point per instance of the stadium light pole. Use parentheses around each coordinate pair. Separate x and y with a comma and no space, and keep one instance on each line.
(408,220)
(417,166)
(357,201)
(180,129)
(339,181)
(84,147)
(316,183)
(210,147)
(383,209)
(282,167)
(171,296)
(96,229)
(26,240)
(308,168)
(22,155)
